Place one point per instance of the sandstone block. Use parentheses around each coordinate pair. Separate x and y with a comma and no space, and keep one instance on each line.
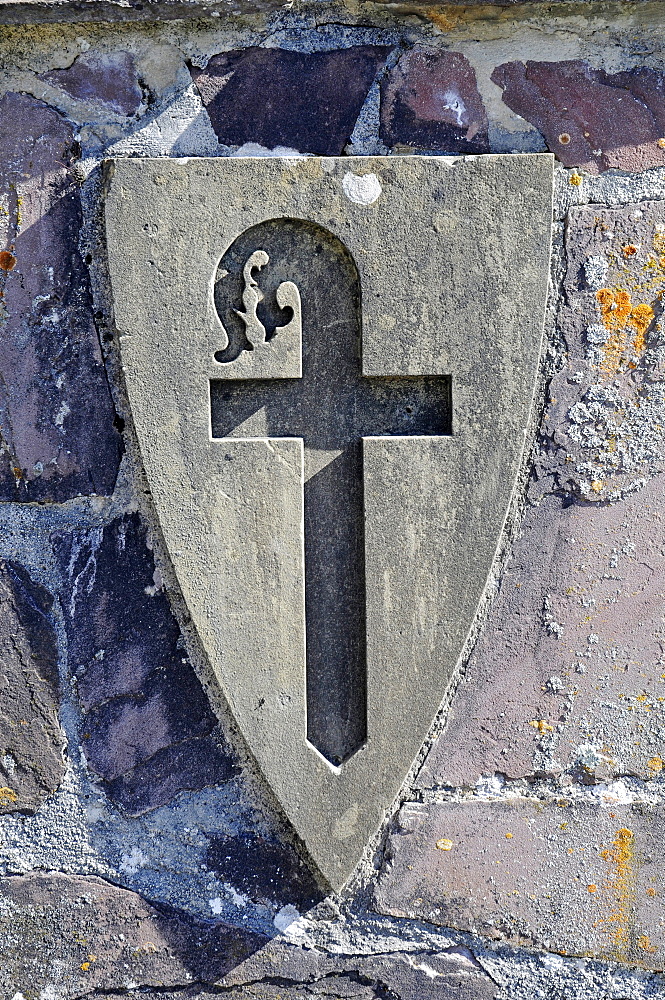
(31,741)
(108,78)
(430,100)
(147,728)
(307,101)
(567,876)
(57,436)
(589,118)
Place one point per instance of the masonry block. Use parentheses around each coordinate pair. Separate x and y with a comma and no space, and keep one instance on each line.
(148,730)
(31,742)
(108,78)
(307,101)
(430,100)
(57,434)
(567,875)
(589,118)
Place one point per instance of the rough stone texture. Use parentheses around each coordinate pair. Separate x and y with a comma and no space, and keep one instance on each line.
(569,671)
(72,935)
(106,77)
(231,506)
(430,100)
(569,876)
(275,97)
(147,729)
(589,118)
(31,741)
(418,975)
(56,416)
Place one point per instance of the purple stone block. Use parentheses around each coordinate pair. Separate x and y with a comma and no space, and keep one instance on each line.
(57,433)
(430,100)
(147,726)
(107,77)
(307,101)
(589,118)
(31,741)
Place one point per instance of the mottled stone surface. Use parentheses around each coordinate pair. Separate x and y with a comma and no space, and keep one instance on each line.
(589,118)
(148,729)
(276,97)
(57,437)
(568,673)
(31,741)
(72,935)
(416,975)
(430,100)
(569,876)
(281,876)
(109,78)
(228,480)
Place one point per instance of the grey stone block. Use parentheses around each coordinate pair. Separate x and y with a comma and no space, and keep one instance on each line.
(451,258)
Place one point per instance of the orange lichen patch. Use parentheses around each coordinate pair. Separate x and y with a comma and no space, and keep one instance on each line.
(509,836)
(575,180)
(7,260)
(592,888)
(660,143)
(655,764)
(542,726)
(621,318)
(629,249)
(444,844)
(7,796)
(441,20)
(596,486)
(644,944)
(85,966)
(651,892)
(564,138)
(621,887)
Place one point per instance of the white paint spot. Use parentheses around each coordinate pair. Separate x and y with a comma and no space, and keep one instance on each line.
(362,189)
(18,996)
(285,917)
(216,905)
(9,764)
(50,993)
(452,101)
(490,784)
(423,967)
(615,794)
(131,863)
(237,898)
(63,412)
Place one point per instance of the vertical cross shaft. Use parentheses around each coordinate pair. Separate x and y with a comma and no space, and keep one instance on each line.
(331,408)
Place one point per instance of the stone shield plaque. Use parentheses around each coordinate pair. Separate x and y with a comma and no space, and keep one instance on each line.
(330,365)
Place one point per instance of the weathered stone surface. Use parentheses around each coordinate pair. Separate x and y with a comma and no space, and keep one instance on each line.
(589,118)
(276,97)
(31,741)
(569,876)
(71,935)
(231,504)
(56,416)
(414,975)
(147,728)
(568,672)
(430,100)
(107,77)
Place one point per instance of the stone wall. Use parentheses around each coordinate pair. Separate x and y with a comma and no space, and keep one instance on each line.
(141,855)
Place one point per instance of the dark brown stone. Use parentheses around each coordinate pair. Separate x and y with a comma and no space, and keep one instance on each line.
(107,77)
(95,936)
(430,100)
(57,437)
(589,118)
(148,729)
(280,877)
(571,877)
(276,97)
(31,741)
